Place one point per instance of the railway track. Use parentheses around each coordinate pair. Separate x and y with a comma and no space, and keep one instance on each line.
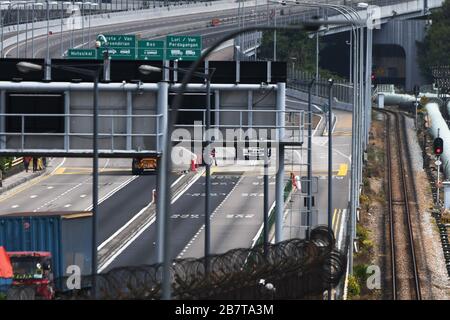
(401,198)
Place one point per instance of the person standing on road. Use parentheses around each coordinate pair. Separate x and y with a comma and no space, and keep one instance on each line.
(35,163)
(213,156)
(26,163)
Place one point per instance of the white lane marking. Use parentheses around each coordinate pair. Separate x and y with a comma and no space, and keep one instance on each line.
(57,167)
(67,205)
(145,227)
(131,220)
(33,196)
(341,229)
(109,194)
(304,103)
(50,187)
(15,206)
(180,255)
(61,195)
(82,196)
(258,234)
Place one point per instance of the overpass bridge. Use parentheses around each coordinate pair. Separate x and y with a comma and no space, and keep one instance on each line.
(392,30)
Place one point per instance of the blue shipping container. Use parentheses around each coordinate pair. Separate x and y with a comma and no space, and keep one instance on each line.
(66,235)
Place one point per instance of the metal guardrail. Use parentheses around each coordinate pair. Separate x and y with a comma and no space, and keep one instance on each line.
(342,90)
(27,120)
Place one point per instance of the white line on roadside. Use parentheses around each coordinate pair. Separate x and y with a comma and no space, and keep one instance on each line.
(145,227)
(57,167)
(258,234)
(131,220)
(109,194)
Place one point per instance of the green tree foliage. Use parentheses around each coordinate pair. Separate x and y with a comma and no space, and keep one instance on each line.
(294,44)
(4,161)
(435,49)
(290,44)
(354,289)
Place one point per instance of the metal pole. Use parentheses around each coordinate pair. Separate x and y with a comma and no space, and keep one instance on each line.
(279,183)
(17,41)
(89,27)
(330,156)
(353,190)
(208,176)
(82,23)
(275,36)
(1,14)
(61,35)
(438,179)
(73,28)
(25,6)
(266,201)
(95,184)
(32,32)
(48,30)
(162,102)
(309,165)
(330,167)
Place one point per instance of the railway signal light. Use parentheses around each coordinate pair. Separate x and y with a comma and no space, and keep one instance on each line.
(438,146)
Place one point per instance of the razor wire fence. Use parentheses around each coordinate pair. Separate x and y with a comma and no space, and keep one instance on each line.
(292,269)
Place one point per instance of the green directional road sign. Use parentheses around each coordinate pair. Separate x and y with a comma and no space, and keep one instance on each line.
(120,40)
(82,54)
(184,42)
(151,44)
(150,50)
(119,53)
(182,54)
(183,47)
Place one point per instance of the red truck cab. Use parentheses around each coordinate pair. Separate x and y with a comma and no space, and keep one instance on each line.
(32,269)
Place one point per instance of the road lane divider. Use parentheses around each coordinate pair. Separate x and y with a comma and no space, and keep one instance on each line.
(211,217)
(110,249)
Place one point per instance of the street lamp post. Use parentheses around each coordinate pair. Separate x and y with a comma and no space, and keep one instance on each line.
(330,154)
(309,168)
(82,23)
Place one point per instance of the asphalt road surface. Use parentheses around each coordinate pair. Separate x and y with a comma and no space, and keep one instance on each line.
(187,217)
(69,188)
